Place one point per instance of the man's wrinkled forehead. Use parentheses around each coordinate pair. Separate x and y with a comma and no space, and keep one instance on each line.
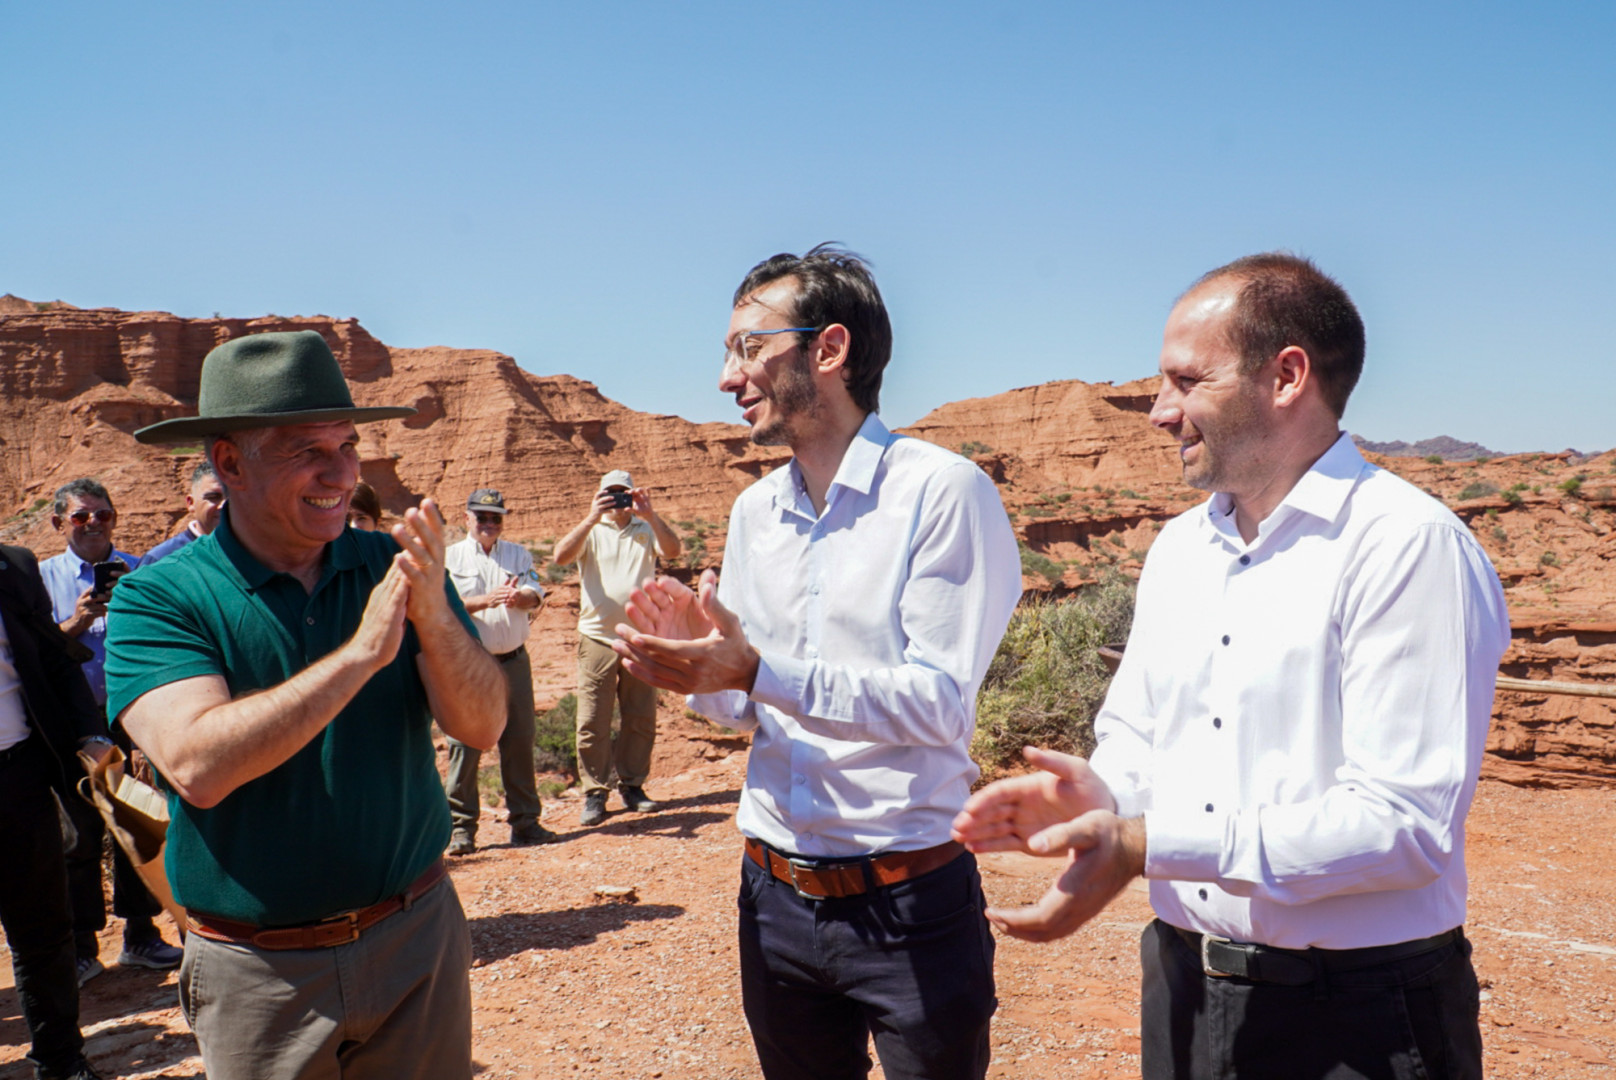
(291,438)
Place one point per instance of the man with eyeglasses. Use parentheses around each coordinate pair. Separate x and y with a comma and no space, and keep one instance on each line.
(496,582)
(865,590)
(615,547)
(84,514)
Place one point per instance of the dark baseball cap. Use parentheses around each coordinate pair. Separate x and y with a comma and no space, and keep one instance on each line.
(487,501)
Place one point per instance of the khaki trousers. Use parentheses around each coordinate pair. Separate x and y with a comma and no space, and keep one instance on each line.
(395,1004)
(515,757)
(602,681)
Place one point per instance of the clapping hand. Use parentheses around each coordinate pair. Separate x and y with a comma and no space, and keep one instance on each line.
(685,640)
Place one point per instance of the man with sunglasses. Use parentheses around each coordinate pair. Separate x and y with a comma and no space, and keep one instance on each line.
(865,589)
(496,582)
(84,514)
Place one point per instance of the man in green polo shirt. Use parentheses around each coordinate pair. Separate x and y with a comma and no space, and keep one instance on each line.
(282,674)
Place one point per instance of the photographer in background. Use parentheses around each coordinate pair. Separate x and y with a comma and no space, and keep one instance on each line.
(615,548)
(80,582)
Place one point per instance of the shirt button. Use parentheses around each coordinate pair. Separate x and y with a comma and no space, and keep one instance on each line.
(799,779)
(1209,808)
(1217,721)
(1226,639)
(814,589)
(1203,894)
(1245,560)
(310,621)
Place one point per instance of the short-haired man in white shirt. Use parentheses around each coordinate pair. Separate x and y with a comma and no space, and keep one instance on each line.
(616,547)
(495,580)
(1292,742)
(866,586)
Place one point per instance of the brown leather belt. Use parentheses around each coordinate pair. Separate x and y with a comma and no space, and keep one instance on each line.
(816,879)
(337,930)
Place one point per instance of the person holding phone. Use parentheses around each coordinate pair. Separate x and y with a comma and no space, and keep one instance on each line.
(80,581)
(615,548)
(496,582)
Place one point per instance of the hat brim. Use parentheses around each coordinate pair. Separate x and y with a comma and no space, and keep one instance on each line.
(500,510)
(198,427)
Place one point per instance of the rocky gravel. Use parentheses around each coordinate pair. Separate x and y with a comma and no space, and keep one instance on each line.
(612,952)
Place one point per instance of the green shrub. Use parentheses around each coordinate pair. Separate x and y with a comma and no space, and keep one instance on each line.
(1036,564)
(971,449)
(1433,459)
(1549,558)
(555,738)
(1128,493)
(1479,490)
(1572,485)
(555,573)
(1047,680)
(1512,494)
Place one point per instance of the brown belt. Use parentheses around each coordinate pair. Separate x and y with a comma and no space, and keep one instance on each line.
(337,930)
(821,880)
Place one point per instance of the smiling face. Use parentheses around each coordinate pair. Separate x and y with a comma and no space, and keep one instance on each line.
(775,385)
(90,540)
(289,492)
(485,525)
(1219,416)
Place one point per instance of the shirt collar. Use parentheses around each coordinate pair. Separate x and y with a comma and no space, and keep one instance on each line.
(1321,492)
(857,471)
(340,554)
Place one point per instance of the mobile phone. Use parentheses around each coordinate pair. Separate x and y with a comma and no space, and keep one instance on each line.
(107,575)
(621,500)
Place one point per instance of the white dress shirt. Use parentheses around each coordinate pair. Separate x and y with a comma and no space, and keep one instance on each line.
(13,717)
(476,572)
(1301,720)
(875,622)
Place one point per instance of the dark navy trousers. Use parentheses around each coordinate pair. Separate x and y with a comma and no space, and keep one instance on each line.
(1411,1019)
(910,964)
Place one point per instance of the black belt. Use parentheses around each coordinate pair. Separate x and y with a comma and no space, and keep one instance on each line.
(504,656)
(16,750)
(1222,958)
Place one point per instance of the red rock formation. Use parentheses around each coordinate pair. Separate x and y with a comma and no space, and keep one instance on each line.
(1086,478)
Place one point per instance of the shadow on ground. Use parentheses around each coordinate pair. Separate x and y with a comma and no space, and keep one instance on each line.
(497,936)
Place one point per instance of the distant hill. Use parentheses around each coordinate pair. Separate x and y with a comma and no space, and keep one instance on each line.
(1450,449)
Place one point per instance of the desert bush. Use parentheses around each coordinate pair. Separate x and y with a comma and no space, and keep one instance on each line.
(971,449)
(1034,563)
(555,739)
(1433,459)
(1478,490)
(1572,485)
(1047,680)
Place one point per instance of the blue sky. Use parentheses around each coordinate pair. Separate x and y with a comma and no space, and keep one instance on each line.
(581,186)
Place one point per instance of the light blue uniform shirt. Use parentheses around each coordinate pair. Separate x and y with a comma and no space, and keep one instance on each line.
(66,577)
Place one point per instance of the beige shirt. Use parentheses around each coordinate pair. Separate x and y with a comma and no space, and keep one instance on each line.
(613,562)
(478,573)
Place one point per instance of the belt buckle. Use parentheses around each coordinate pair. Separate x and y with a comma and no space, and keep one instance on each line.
(804,864)
(1208,940)
(349,917)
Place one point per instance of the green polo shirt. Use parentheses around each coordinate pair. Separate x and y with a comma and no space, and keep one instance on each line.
(351,818)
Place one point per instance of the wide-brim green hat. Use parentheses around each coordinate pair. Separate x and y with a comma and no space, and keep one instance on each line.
(267,380)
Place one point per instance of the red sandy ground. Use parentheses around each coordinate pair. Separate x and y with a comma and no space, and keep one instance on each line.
(568,984)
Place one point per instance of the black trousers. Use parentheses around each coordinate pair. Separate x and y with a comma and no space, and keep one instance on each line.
(34,908)
(1413,1019)
(910,964)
